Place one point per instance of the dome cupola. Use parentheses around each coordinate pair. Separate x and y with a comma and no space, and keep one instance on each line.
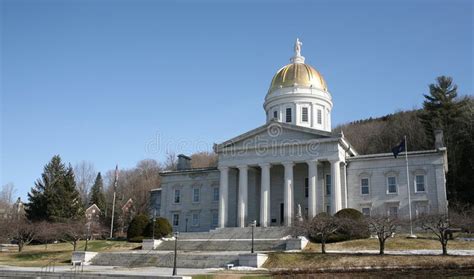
(298,95)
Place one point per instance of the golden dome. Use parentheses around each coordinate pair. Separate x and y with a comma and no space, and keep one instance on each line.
(298,74)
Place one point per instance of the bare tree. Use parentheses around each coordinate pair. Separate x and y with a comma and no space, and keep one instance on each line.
(320,227)
(73,231)
(204,159)
(22,231)
(170,162)
(440,225)
(6,194)
(47,232)
(84,174)
(383,227)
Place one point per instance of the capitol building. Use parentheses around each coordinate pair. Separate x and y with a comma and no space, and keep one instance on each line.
(294,166)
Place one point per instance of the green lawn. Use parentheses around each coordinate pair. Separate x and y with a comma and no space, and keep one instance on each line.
(60,254)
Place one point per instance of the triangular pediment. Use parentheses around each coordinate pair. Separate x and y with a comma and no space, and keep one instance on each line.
(274,133)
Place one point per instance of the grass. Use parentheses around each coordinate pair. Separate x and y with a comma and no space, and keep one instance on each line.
(60,254)
(396,243)
(311,261)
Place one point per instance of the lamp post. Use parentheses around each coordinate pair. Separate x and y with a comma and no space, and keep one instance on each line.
(253,225)
(175,252)
(154,220)
(87,235)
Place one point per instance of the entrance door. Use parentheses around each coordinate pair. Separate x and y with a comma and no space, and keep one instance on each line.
(282,213)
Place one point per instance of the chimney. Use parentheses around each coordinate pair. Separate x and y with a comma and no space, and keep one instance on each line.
(184,162)
(439,138)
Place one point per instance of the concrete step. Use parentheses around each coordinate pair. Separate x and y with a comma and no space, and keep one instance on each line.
(160,259)
(239,233)
(223,245)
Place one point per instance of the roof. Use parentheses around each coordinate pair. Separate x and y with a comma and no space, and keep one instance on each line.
(402,154)
(187,171)
(264,127)
(93,206)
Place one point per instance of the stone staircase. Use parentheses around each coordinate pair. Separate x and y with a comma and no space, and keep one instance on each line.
(165,259)
(230,239)
(216,248)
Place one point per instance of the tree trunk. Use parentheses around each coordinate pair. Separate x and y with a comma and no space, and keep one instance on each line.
(444,242)
(20,246)
(323,246)
(74,244)
(445,248)
(382,246)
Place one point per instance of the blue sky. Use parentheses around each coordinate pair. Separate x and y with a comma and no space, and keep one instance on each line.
(114,82)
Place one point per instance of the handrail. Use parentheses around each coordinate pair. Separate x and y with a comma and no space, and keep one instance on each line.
(49,266)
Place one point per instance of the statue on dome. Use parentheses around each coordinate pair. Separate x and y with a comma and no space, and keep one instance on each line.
(298,45)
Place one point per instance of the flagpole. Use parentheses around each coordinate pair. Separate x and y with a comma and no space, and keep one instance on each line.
(408,188)
(113,203)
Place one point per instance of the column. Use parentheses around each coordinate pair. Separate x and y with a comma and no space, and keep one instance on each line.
(223,196)
(312,180)
(243,196)
(336,203)
(288,193)
(265,196)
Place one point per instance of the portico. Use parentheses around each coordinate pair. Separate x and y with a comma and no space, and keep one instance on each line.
(281,186)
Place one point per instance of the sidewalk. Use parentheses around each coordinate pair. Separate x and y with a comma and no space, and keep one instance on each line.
(111,270)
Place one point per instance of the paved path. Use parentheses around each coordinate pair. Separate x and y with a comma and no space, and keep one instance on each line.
(141,271)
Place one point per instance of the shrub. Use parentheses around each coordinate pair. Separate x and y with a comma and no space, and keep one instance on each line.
(162,228)
(137,227)
(350,213)
(353,226)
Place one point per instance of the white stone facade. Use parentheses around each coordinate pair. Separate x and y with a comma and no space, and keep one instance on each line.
(267,173)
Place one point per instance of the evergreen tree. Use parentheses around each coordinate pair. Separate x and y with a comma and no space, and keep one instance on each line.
(97,193)
(55,196)
(444,110)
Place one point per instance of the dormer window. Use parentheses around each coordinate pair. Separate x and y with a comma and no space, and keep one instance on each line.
(288,115)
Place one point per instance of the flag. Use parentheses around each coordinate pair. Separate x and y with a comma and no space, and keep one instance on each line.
(116,177)
(399,148)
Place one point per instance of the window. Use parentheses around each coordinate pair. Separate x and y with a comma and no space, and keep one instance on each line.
(195,219)
(304,114)
(391,185)
(393,211)
(177,195)
(328,209)
(420,183)
(366,211)
(288,115)
(320,116)
(275,114)
(196,194)
(306,187)
(364,186)
(421,209)
(215,218)
(176,219)
(328,184)
(215,194)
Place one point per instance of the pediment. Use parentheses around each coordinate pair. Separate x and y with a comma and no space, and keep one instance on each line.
(273,133)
